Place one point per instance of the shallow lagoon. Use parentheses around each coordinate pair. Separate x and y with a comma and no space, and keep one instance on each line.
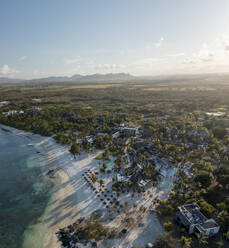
(24,191)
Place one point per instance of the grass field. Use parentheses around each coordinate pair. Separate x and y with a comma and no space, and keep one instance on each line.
(91,86)
(179,89)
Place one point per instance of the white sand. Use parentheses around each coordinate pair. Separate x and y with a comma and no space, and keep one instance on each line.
(73,198)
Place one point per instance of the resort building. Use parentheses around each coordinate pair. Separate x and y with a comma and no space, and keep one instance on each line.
(12,112)
(102,134)
(191,217)
(116,135)
(4,103)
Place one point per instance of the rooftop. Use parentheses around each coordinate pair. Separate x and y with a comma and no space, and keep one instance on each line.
(209,224)
(191,214)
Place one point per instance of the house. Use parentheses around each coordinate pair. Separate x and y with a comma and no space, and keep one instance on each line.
(12,112)
(121,178)
(116,135)
(36,100)
(203,145)
(90,140)
(130,130)
(76,133)
(144,183)
(165,117)
(4,103)
(101,134)
(200,119)
(37,109)
(190,216)
(79,141)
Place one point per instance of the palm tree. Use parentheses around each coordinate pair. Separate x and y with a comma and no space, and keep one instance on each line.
(227,235)
(101,182)
(203,240)
(165,241)
(186,242)
(126,204)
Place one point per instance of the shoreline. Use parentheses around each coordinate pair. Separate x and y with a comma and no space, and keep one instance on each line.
(72,198)
(43,228)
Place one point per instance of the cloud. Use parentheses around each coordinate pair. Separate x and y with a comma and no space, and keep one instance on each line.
(144,62)
(205,45)
(202,56)
(6,70)
(206,56)
(108,67)
(159,43)
(23,58)
(176,55)
(210,56)
(222,42)
(189,61)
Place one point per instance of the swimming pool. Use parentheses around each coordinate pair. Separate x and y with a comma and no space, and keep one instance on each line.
(111,163)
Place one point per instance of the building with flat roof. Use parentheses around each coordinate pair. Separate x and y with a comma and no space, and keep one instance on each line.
(190,216)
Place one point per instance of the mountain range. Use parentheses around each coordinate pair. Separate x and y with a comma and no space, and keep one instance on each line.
(111,77)
(123,77)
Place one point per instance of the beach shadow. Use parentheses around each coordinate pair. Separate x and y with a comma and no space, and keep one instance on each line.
(88,199)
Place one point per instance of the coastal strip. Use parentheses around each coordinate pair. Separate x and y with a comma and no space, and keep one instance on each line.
(57,213)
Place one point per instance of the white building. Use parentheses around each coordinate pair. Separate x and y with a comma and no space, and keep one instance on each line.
(101,134)
(13,112)
(4,103)
(115,135)
(190,216)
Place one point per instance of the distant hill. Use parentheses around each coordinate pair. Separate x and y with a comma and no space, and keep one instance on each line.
(111,77)
(122,77)
(103,77)
(10,80)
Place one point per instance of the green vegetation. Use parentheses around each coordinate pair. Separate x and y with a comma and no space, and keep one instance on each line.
(204,177)
(75,149)
(92,229)
(174,122)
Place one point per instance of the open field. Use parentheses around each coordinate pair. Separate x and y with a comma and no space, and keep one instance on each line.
(91,86)
(180,89)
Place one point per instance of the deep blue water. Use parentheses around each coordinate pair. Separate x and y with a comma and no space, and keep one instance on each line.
(24,191)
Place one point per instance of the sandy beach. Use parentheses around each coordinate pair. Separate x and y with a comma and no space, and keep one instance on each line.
(72,198)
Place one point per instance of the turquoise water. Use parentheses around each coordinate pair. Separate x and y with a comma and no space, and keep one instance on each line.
(24,191)
(111,163)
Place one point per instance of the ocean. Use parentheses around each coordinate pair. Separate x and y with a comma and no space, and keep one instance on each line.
(24,190)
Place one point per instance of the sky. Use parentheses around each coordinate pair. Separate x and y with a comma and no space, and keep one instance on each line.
(40,38)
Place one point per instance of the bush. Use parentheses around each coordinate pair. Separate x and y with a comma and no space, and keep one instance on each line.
(93,178)
(168,225)
(142,208)
(219,132)
(207,208)
(222,206)
(92,229)
(204,177)
(165,240)
(222,175)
